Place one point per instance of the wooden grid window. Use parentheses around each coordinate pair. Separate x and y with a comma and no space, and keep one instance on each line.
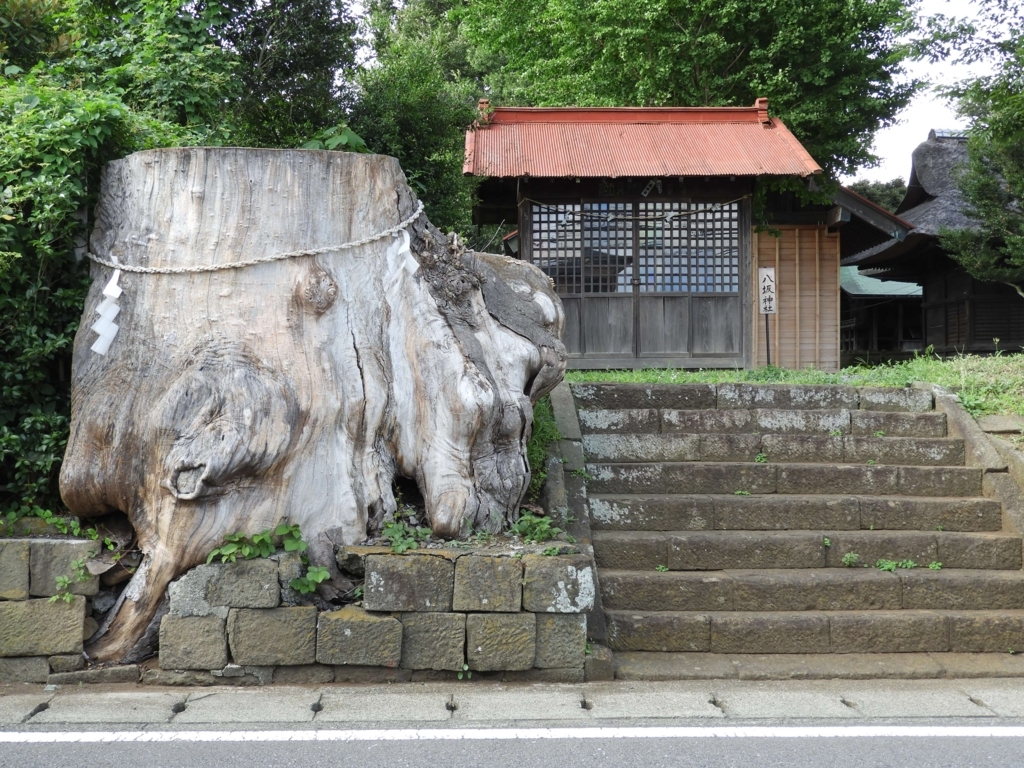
(679,247)
(714,246)
(607,247)
(696,250)
(558,245)
(662,256)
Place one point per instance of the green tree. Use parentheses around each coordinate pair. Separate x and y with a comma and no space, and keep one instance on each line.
(992,182)
(416,101)
(887,194)
(294,57)
(831,68)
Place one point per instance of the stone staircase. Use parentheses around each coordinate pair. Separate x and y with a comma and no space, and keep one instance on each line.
(751,519)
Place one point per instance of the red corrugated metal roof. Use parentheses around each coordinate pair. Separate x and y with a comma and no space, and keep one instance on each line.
(585,142)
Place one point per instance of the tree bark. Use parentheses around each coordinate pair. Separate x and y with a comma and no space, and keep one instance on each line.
(299,389)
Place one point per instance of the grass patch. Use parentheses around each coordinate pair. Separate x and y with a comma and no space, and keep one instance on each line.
(989,384)
(545,432)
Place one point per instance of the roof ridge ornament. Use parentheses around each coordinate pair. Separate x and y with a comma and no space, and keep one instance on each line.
(762,111)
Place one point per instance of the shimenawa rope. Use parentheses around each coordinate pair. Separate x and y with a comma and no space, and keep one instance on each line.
(263,259)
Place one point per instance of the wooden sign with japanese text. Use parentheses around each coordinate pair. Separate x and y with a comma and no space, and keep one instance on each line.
(766,300)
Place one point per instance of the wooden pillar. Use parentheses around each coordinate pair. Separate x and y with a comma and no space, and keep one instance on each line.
(778,296)
(817,298)
(796,230)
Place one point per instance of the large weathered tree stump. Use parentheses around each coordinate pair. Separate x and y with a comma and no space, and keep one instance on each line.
(297,389)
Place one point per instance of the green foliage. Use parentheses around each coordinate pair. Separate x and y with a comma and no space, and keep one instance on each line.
(661,568)
(551,551)
(545,432)
(741,493)
(831,70)
(887,194)
(850,559)
(416,103)
(465,672)
(826,542)
(263,544)
(985,384)
(28,32)
(337,136)
(534,529)
(935,565)
(306,584)
(761,458)
(402,536)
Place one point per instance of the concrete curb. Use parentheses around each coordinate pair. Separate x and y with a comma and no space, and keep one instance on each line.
(978,448)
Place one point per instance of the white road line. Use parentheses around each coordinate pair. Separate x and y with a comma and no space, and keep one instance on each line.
(453,734)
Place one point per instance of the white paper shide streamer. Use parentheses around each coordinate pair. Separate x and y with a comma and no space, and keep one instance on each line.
(107,309)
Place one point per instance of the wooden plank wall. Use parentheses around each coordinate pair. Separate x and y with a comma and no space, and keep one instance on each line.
(805,332)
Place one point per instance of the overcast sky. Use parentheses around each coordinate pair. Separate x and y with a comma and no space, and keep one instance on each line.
(894,145)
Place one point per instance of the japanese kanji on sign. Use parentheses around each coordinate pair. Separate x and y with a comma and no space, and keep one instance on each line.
(766,290)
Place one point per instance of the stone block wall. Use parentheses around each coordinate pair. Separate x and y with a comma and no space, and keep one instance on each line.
(38,636)
(428,614)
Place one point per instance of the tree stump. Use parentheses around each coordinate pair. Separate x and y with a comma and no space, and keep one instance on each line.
(301,388)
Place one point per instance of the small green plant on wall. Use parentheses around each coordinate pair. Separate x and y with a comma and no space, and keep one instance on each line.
(315,574)
(402,536)
(534,528)
(79,575)
(263,544)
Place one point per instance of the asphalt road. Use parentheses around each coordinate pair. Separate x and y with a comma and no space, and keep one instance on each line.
(702,752)
(719,724)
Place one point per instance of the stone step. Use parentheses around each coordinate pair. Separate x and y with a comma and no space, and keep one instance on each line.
(825,423)
(813,589)
(723,550)
(909,451)
(746,396)
(770,632)
(775,512)
(645,665)
(752,478)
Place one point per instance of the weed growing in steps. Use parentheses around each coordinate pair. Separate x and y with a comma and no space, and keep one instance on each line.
(892,565)
(986,384)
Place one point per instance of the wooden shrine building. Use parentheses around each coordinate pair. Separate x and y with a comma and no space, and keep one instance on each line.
(960,314)
(642,219)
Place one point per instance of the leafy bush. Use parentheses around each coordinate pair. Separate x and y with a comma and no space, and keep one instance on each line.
(545,432)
